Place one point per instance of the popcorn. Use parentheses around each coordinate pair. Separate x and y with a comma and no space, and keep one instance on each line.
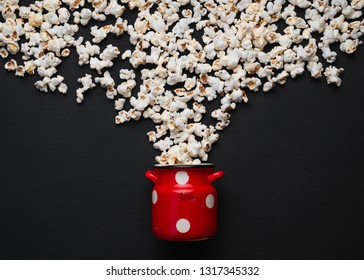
(125,88)
(332,75)
(126,54)
(113,8)
(11,65)
(12,47)
(46,72)
(238,95)
(109,53)
(119,104)
(87,83)
(63,15)
(138,58)
(49,83)
(125,74)
(122,117)
(328,55)
(4,53)
(100,34)
(65,52)
(62,88)
(106,81)
(179,73)
(349,46)
(252,83)
(357,4)
(84,16)
(85,52)
(35,19)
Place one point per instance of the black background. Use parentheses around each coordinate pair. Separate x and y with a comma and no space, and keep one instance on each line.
(72,183)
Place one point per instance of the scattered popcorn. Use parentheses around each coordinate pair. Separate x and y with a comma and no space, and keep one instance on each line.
(126,54)
(119,104)
(4,53)
(241,49)
(11,65)
(332,75)
(87,84)
(62,88)
(106,81)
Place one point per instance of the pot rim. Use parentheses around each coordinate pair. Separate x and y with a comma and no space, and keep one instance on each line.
(173,166)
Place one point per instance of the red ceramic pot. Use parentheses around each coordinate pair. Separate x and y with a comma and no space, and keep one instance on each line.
(184,203)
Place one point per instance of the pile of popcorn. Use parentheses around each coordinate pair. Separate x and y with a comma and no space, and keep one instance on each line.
(243,48)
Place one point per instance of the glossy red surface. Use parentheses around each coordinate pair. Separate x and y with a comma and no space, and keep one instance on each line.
(184,203)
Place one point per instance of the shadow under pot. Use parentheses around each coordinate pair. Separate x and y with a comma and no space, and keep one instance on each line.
(184,202)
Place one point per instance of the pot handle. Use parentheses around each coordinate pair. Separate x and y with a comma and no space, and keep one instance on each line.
(151,175)
(216,175)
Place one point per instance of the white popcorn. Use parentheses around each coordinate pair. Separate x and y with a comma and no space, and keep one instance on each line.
(329,55)
(125,88)
(349,46)
(86,51)
(56,45)
(190,83)
(125,74)
(119,104)
(51,18)
(154,55)
(289,56)
(110,53)
(62,88)
(119,28)
(357,4)
(74,4)
(315,68)
(252,83)
(49,83)
(281,78)
(35,19)
(122,117)
(11,65)
(238,95)
(267,86)
(100,34)
(13,47)
(46,72)
(138,58)
(235,53)
(113,8)
(20,71)
(216,84)
(4,53)
(157,24)
(100,65)
(84,16)
(332,75)
(55,82)
(163,144)
(42,85)
(126,54)
(87,83)
(106,81)
(63,15)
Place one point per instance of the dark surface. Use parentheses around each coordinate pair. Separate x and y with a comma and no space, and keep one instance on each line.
(72,183)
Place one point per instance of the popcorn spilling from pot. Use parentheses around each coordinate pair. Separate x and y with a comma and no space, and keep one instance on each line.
(241,48)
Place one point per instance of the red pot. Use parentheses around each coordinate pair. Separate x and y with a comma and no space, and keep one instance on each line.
(184,203)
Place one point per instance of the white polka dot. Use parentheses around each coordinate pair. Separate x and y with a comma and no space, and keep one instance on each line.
(210,201)
(183,225)
(182,177)
(154,197)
